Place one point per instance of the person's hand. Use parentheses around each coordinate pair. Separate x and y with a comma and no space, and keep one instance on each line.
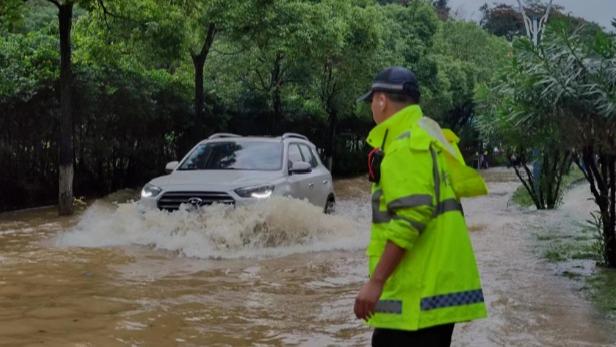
(367,298)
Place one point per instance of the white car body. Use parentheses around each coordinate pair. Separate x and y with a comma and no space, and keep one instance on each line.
(296,176)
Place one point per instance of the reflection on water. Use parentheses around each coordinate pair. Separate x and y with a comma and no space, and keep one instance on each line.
(276,274)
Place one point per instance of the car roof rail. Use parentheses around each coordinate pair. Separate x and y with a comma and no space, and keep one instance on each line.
(222,135)
(294,135)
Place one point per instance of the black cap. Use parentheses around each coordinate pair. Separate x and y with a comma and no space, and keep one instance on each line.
(395,79)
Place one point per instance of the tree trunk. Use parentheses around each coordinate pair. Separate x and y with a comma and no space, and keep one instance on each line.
(331,147)
(529,185)
(610,241)
(199,63)
(276,82)
(601,175)
(561,172)
(543,183)
(65,172)
(277,116)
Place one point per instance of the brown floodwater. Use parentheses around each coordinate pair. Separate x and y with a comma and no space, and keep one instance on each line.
(277,274)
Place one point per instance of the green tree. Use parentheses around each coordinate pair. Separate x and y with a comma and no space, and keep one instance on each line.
(442,8)
(563,95)
(66,169)
(467,56)
(507,114)
(343,54)
(506,20)
(11,14)
(576,76)
(410,46)
(275,55)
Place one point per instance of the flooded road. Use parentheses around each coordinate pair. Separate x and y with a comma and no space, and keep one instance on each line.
(279,274)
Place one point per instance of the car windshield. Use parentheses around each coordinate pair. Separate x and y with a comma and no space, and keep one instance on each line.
(245,155)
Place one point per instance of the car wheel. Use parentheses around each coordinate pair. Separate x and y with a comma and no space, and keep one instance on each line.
(330,205)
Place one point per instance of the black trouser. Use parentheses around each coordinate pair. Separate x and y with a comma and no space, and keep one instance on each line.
(438,336)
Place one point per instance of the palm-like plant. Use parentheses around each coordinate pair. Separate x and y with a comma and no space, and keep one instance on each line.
(564,91)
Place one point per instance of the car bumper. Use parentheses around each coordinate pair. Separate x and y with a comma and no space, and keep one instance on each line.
(156,203)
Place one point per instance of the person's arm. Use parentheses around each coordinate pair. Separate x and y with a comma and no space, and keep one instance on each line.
(408,193)
(371,291)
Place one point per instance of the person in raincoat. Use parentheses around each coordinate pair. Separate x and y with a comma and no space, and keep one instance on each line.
(423,277)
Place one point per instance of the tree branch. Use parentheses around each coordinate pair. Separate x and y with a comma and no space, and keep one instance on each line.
(106,13)
(264,86)
(55,3)
(528,189)
(209,39)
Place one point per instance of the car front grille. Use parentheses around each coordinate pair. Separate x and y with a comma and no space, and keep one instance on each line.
(172,200)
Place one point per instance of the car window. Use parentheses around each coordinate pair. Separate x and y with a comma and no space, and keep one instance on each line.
(249,155)
(294,154)
(308,155)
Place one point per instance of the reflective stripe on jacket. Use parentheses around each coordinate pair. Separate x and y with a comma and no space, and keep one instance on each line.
(416,206)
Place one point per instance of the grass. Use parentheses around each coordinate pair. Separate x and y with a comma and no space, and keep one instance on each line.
(575,251)
(568,250)
(523,199)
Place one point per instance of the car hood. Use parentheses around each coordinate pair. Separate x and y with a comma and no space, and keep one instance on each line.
(215,179)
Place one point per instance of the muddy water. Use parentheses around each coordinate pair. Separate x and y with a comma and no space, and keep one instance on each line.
(278,274)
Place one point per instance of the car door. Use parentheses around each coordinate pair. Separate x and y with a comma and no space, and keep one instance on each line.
(300,184)
(318,186)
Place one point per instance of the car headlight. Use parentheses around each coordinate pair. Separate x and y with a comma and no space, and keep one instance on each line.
(260,192)
(150,191)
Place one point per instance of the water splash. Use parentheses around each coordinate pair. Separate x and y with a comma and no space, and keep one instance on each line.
(276,227)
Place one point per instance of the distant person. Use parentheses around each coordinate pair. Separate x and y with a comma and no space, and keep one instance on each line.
(480,161)
(423,274)
(485,164)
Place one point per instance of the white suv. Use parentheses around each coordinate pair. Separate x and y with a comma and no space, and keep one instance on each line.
(237,170)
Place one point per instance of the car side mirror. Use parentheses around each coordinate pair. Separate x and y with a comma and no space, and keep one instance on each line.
(300,167)
(171,166)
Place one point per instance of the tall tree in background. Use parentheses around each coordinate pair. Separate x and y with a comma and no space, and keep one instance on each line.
(198,59)
(502,20)
(65,162)
(277,53)
(344,54)
(467,56)
(442,9)
(535,25)
(507,21)
(204,22)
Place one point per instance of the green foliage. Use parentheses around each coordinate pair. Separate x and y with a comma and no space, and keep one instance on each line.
(273,66)
(466,57)
(561,96)
(522,198)
(26,63)
(11,15)
(512,116)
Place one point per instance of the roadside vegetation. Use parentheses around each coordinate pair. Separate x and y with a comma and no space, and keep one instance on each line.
(554,105)
(148,79)
(522,198)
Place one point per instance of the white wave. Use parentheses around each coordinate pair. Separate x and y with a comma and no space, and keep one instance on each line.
(275,227)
